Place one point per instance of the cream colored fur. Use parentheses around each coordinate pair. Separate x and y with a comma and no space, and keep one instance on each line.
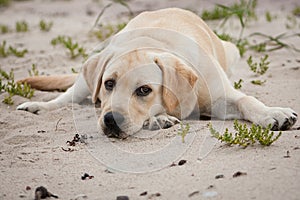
(186,66)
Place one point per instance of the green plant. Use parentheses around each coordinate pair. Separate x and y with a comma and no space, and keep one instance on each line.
(74,71)
(8,100)
(261,67)
(242,45)
(296,11)
(33,71)
(45,26)
(17,53)
(4,28)
(74,49)
(277,42)
(225,37)
(215,14)
(261,47)
(183,131)
(105,31)
(238,85)
(4,52)
(258,82)
(112,2)
(21,26)
(243,11)
(244,136)
(8,84)
(4,3)
(291,22)
(268,16)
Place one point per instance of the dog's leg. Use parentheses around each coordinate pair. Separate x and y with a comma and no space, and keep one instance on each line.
(77,93)
(237,105)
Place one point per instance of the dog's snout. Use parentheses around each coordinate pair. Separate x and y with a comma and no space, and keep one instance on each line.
(113,120)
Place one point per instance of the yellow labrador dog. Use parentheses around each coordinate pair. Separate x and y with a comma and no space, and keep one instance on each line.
(163,66)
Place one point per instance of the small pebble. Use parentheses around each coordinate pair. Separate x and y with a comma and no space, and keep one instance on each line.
(193,193)
(122,198)
(219,176)
(182,162)
(144,193)
(210,187)
(287,155)
(237,174)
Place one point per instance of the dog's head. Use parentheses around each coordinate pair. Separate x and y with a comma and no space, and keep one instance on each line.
(136,86)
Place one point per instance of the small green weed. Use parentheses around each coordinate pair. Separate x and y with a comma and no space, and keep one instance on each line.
(21,26)
(261,67)
(274,43)
(120,2)
(33,71)
(296,11)
(8,100)
(105,31)
(74,71)
(244,11)
(16,52)
(261,47)
(7,84)
(4,3)
(291,22)
(74,49)
(258,82)
(184,131)
(4,52)
(242,46)
(224,36)
(4,29)
(241,10)
(244,136)
(215,14)
(238,85)
(45,26)
(270,17)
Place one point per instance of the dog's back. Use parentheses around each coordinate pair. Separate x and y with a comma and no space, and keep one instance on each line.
(179,20)
(186,23)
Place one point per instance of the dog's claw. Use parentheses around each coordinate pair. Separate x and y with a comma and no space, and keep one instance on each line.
(280,118)
(275,126)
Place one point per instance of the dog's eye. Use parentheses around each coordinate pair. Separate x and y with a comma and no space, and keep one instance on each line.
(143,91)
(109,84)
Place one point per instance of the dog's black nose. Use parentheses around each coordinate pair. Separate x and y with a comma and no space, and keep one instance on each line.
(113,120)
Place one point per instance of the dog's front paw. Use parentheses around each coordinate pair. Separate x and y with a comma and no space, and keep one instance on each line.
(32,107)
(279,118)
(162,121)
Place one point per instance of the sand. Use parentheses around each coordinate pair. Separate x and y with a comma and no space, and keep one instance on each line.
(34,150)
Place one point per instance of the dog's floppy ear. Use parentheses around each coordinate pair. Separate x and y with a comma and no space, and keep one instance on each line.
(93,70)
(178,80)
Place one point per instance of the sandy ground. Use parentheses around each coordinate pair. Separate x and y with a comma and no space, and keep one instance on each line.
(31,146)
